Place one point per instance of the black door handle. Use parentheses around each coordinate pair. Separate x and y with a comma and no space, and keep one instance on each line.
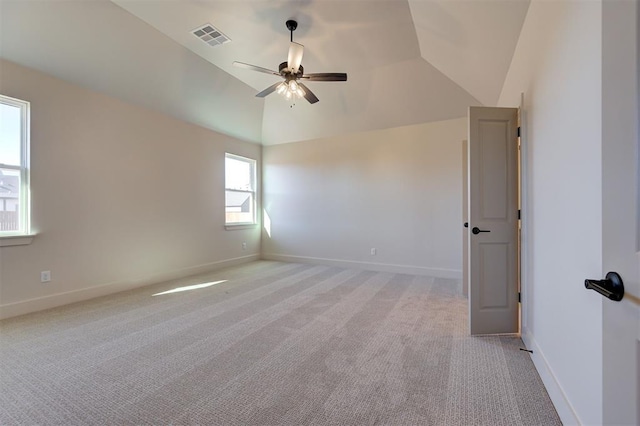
(611,287)
(477,230)
(466,224)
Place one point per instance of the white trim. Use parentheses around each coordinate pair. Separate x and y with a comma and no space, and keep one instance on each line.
(55,300)
(10,167)
(237,226)
(24,167)
(558,396)
(16,240)
(25,150)
(252,192)
(455,274)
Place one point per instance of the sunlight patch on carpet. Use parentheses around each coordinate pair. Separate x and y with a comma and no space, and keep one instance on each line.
(190,287)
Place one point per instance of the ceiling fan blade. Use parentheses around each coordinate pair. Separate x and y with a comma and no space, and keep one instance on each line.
(254,68)
(269,90)
(327,76)
(308,94)
(295,56)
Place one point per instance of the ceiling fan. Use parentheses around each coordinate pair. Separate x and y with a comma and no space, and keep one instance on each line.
(292,72)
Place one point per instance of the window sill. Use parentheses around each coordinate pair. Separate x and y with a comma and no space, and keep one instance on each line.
(231,227)
(16,240)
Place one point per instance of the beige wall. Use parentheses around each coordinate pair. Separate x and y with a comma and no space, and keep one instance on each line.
(557,65)
(121,196)
(397,190)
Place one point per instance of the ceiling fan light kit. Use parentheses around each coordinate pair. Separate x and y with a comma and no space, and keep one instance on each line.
(292,71)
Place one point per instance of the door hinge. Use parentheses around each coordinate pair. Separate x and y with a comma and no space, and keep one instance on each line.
(518,131)
(519,214)
(519,297)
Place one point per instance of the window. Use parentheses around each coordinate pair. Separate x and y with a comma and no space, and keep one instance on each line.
(240,190)
(14,167)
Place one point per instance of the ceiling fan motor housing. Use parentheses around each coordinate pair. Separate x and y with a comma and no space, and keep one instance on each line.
(284,71)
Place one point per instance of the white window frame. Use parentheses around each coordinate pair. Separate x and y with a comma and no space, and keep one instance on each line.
(252,192)
(24,230)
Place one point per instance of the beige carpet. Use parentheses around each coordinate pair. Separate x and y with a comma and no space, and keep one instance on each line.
(274,343)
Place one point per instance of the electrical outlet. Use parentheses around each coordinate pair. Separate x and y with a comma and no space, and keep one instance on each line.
(373,251)
(45,276)
(244,245)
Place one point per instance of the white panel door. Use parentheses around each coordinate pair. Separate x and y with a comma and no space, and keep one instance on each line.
(493,220)
(621,219)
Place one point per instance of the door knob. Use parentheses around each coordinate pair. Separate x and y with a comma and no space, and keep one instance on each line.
(466,224)
(477,230)
(611,287)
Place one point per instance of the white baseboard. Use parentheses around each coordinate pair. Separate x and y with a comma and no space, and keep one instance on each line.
(60,299)
(567,414)
(370,266)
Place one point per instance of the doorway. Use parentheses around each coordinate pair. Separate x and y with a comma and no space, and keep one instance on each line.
(491,270)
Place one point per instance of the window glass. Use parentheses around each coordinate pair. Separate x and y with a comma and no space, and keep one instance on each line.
(14,166)
(240,191)
(10,125)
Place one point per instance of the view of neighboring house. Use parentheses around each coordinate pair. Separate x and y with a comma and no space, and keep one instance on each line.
(9,185)
(238,207)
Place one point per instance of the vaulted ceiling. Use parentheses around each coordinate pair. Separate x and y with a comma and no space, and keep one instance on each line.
(408,61)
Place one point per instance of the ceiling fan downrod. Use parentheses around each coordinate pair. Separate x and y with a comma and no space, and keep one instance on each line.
(291,26)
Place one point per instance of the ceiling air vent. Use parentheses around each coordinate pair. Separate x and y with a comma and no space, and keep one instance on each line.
(210,35)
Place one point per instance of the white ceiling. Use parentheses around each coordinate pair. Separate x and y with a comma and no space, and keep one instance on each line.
(408,62)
